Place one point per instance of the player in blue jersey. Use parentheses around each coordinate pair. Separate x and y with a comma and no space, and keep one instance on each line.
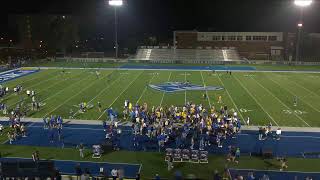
(60,122)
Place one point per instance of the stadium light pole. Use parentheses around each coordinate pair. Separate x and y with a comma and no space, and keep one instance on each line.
(116,4)
(301,4)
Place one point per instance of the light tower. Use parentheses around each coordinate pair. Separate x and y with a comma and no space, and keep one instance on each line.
(116,4)
(302,4)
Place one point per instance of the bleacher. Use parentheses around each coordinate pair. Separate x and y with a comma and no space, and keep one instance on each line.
(171,55)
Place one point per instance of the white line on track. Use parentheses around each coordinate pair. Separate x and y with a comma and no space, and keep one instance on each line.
(287,136)
(165,91)
(279,101)
(206,89)
(121,94)
(231,99)
(150,69)
(257,170)
(145,89)
(256,101)
(77,161)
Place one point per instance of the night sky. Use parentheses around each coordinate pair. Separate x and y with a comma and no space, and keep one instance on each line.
(160,17)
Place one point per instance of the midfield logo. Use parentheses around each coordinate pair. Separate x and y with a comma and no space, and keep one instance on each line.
(180,86)
(9,75)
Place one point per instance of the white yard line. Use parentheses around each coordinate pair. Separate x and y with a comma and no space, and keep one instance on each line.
(121,94)
(37,93)
(231,99)
(206,89)
(93,82)
(164,91)
(145,89)
(28,87)
(311,92)
(293,94)
(107,87)
(256,101)
(72,84)
(279,101)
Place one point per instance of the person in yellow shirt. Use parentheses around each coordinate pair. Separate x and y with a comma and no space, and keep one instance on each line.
(220,99)
(184,115)
(158,114)
(213,110)
(130,106)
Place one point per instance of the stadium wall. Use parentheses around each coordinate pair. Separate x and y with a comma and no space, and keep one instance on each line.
(250,45)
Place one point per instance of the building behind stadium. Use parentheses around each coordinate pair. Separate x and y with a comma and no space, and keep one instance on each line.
(251,45)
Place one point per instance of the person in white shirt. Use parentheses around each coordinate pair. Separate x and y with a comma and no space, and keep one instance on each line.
(28,92)
(1,129)
(278,133)
(114,174)
(235,114)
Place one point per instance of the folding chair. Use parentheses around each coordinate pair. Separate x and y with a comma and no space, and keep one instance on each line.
(177,155)
(185,155)
(195,156)
(169,153)
(203,157)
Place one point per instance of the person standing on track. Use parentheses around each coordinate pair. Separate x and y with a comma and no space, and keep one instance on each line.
(81,149)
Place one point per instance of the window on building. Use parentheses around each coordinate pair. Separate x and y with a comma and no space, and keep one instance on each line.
(216,38)
(231,38)
(239,38)
(259,38)
(272,38)
(248,38)
(223,38)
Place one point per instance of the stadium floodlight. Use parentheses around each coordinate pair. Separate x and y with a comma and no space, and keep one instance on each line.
(115,2)
(303,3)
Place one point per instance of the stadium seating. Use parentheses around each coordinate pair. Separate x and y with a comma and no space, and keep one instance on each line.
(187,55)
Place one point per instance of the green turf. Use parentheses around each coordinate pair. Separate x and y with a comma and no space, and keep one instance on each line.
(264,97)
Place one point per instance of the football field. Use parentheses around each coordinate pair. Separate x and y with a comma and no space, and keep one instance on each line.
(263,96)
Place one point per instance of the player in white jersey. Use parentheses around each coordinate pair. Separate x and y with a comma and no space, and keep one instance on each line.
(295,101)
